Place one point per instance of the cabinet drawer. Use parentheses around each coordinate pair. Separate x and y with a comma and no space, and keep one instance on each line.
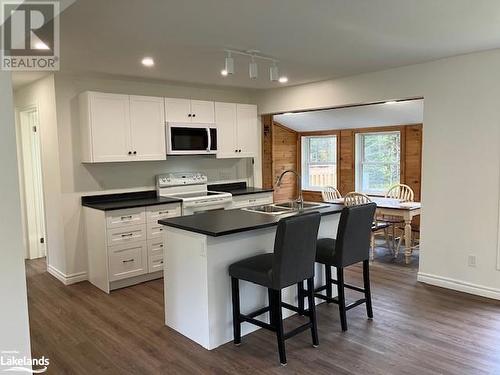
(155,247)
(155,231)
(155,213)
(127,260)
(130,216)
(127,234)
(155,263)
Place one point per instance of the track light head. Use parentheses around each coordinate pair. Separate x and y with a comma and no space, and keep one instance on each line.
(252,69)
(273,73)
(229,64)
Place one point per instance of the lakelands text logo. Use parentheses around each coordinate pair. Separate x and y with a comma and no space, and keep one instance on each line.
(30,35)
(11,361)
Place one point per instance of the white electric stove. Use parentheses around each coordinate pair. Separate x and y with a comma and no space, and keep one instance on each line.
(191,187)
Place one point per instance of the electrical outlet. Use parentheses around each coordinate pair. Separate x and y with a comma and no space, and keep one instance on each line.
(471,261)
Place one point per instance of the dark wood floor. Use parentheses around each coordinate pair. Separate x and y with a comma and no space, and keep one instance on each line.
(417,329)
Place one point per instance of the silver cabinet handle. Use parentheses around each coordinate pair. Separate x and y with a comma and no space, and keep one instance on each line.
(163,212)
(129,217)
(127,260)
(127,235)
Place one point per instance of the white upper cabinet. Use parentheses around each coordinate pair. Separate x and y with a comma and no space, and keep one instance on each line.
(105,124)
(186,110)
(225,118)
(121,127)
(202,112)
(237,130)
(247,130)
(147,128)
(177,110)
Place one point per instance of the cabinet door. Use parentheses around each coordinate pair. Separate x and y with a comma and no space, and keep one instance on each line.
(147,128)
(202,112)
(127,260)
(247,130)
(225,119)
(110,127)
(177,110)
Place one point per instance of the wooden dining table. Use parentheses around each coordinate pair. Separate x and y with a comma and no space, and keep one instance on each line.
(394,207)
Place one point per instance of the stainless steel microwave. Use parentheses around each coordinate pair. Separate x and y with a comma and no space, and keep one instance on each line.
(191,139)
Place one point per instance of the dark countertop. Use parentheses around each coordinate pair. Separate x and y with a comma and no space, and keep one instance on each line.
(108,202)
(223,222)
(238,188)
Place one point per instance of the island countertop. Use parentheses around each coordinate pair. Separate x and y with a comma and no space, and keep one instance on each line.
(223,222)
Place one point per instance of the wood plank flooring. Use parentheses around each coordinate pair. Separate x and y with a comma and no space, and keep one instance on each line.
(417,329)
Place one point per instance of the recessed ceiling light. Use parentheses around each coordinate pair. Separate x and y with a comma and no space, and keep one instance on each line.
(283,79)
(223,72)
(148,61)
(391,102)
(41,45)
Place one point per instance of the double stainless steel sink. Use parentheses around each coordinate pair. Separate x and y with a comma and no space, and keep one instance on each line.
(285,207)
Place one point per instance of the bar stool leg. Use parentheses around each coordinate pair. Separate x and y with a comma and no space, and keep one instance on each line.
(272,318)
(279,326)
(341,298)
(328,277)
(312,311)
(368,293)
(235,288)
(300,297)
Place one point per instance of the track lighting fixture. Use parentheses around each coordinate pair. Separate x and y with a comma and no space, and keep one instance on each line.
(273,72)
(253,69)
(229,64)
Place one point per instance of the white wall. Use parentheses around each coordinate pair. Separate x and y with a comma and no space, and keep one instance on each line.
(77,179)
(14,325)
(461,146)
(41,94)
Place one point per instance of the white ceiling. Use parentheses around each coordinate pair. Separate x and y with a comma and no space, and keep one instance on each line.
(315,39)
(400,113)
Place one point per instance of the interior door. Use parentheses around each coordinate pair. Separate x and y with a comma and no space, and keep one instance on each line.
(177,110)
(202,112)
(247,130)
(110,120)
(147,128)
(225,118)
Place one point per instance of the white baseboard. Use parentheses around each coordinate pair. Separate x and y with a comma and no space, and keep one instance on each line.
(458,285)
(67,279)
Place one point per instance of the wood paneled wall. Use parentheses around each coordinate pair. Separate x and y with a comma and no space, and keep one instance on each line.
(411,157)
(279,153)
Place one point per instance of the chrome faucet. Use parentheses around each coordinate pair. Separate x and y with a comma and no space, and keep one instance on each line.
(300,199)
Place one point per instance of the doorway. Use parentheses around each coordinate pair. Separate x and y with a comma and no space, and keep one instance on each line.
(31,183)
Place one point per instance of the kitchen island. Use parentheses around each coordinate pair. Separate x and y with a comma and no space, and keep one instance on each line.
(198,250)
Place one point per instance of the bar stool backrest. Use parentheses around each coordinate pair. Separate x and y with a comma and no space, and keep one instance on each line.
(295,249)
(352,244)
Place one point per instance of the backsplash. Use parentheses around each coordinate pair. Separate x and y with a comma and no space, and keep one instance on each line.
(108,176)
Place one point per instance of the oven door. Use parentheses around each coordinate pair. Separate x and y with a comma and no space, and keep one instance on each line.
(185,138)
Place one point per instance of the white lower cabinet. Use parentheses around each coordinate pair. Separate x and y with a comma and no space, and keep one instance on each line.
(125,247)
(127,260)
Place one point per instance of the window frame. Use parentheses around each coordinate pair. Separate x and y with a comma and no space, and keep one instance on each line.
(304,165)
(359,158)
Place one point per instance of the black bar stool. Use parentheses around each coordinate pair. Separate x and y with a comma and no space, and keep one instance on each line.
(291,263)
(351,246)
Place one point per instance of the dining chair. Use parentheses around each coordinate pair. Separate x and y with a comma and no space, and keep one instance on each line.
(403,193)
(354,199)
(330,193)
